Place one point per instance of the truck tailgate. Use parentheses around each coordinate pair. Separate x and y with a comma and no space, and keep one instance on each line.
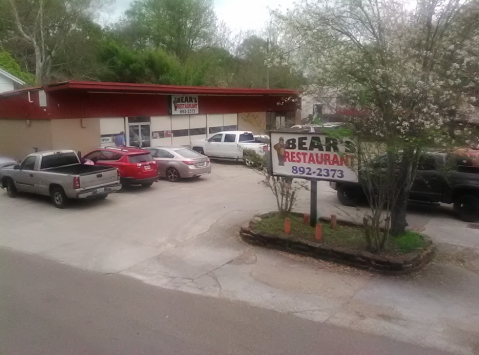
(104,177)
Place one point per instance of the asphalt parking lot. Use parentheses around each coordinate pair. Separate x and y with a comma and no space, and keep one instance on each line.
(184,236)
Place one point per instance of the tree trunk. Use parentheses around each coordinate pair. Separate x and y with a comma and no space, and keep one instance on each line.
(38,66)
(398,214)
(403,187)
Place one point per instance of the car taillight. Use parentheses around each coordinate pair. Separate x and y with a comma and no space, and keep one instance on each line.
(76,182)
(189,162)
(209,160)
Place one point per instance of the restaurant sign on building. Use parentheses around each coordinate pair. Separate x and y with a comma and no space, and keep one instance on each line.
(184,105)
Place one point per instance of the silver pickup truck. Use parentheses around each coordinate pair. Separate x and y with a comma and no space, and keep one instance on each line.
(61,175)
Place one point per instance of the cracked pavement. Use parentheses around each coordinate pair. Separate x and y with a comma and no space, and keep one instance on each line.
(184,237)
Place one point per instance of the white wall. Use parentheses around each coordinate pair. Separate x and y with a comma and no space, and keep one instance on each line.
(6,84)
(180,123)
(109,128)
(221,121)
(198,121)
(160,124)
(326,98)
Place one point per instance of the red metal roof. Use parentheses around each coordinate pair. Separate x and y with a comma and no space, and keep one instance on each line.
(92,86)
(75,99)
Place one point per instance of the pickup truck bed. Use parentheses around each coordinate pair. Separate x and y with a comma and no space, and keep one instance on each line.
(78,169)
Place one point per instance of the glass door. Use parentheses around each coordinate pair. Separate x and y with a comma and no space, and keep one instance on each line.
(139,135)
(134,136)
(145,135)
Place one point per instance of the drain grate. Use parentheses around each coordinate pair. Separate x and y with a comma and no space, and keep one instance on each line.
(473,225)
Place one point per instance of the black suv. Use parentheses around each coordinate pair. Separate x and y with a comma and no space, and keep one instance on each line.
(441,177)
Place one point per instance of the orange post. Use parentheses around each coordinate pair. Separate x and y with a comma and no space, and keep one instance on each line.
(306,218)
(334,222)
(287,226)
(319,232)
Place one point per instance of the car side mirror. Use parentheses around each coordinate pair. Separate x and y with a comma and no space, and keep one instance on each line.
(17,167)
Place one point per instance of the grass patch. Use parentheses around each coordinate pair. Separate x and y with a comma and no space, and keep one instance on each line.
(409,241)
(351,237)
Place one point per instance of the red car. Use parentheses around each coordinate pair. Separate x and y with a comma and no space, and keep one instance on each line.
(136,166)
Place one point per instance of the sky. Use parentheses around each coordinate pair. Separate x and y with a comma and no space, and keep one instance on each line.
(239,15)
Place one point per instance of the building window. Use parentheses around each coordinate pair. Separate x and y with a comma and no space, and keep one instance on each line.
(230,128)
(139,119)
(317,109)
(180,132)
(198,131)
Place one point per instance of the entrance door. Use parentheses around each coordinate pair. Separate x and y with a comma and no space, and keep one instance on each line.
(139,135)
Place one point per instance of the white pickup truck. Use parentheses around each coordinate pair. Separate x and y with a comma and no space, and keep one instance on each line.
(230,145)
(61,175)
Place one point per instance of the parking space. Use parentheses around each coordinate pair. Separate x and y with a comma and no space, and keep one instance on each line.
(183,236)
(139,223)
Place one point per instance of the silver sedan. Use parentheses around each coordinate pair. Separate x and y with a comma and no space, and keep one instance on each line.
(177,163)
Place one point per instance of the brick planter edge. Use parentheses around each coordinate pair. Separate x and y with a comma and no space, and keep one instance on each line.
(399,265)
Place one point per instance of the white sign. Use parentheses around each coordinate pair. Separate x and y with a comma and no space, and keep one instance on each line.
(184,105)
(106,140)
(312,156)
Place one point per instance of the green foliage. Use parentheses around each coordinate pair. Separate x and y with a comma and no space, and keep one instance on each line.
(153,66)
(178,26)
(9,64)
(156,41)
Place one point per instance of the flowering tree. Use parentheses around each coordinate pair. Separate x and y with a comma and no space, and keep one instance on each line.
(410,72)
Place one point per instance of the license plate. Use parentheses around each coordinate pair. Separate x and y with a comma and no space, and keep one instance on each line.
(147,167)
(100,190)
(201,164)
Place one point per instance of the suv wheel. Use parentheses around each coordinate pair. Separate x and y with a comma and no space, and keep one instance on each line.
(172,175)
(349,195)
(60,200)
(11,189)
(467,208)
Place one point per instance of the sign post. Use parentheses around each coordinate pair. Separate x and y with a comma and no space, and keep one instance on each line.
(314,204)
(315,157)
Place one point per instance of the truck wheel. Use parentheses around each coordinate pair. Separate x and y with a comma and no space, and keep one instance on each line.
(467,208)
(172,175)
(11,189)
(349,195)
(199,150)
(60,200)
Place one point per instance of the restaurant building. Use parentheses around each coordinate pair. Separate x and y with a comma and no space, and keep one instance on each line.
(85,115)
